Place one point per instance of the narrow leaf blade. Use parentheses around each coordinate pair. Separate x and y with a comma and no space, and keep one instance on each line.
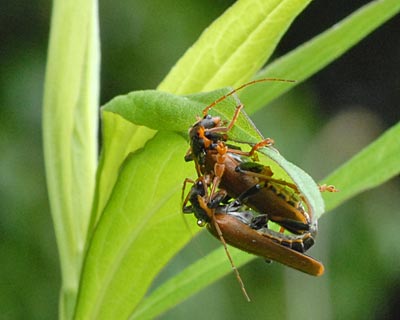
(374,165)
(315,54)
(189,281)
(234,47)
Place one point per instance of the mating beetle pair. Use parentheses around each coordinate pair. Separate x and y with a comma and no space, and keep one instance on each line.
(236,196)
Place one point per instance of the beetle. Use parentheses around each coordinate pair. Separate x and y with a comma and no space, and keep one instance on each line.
(241,229)
(207,131)
(259,222)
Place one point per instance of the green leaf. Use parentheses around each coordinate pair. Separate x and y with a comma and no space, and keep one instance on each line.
(234,47)
(70,115)
(315,54)
(377,163)
(139,231)
(156,110)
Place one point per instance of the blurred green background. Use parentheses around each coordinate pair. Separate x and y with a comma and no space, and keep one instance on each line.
(318,126)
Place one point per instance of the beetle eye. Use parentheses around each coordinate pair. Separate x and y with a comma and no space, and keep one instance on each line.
(199,184)
(201,223)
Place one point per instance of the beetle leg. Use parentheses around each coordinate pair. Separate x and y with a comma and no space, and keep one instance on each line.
(263,173)
(185,200)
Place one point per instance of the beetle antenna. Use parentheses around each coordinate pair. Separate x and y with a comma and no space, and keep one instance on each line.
(221,237)
(210,106)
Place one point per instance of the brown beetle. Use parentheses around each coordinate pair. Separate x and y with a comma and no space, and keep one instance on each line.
(239,228)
